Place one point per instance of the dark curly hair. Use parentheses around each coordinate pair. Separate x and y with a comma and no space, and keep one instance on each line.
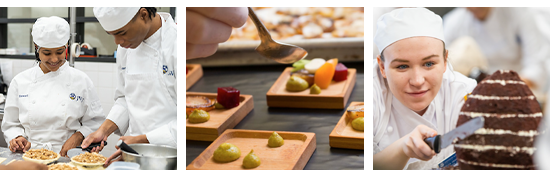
(152,11)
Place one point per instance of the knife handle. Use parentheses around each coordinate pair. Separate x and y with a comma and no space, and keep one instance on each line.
(434,143)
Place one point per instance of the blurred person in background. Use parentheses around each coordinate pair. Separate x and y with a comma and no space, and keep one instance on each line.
(508,37)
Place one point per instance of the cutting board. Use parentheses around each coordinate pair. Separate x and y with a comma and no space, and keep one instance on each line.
(293,155)
(193,75)
(334,97)
(220,119)
(344,136)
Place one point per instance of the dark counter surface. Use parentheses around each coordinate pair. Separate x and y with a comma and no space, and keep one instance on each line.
(257,81)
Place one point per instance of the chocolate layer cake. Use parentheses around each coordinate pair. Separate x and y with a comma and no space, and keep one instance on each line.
(512,115)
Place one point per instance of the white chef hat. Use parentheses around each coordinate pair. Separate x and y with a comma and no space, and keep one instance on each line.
(405,23)
(113,18)
(50,32)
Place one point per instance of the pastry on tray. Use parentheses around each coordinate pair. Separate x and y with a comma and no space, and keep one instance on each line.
(42,156)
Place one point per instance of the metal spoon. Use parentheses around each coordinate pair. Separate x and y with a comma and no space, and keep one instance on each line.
(280,52)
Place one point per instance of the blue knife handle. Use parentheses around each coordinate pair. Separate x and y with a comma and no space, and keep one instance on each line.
(434,143)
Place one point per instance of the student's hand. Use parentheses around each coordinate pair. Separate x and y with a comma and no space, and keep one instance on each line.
(25,165)
(117,156)
(72,142)
(414,145)
(95,137)
(19,144)
(208,26)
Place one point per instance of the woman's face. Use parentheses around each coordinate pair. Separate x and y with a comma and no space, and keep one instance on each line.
(414,69)
(52,58)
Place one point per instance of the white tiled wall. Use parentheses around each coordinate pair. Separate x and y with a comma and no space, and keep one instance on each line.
(102,75)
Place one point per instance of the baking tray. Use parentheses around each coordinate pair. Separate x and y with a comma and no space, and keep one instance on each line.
(220,119)
(293,155)
(334,97)
(243,53)
(344,136)
(193,75)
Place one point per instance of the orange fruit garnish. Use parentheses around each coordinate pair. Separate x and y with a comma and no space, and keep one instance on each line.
(323,75)
(334,61)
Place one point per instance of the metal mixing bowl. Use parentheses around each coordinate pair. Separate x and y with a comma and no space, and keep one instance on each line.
(152,157)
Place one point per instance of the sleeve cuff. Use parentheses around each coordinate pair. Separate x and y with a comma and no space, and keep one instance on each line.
(85,131)
(119,116)
(164,135)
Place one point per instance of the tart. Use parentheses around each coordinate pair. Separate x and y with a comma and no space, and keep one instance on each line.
(62,166)
(198,102)
(42,156)
(356,111)
(89,159)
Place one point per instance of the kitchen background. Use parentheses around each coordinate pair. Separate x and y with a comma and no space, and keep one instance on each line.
(17,53)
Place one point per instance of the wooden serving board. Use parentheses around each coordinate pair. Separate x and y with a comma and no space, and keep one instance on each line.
(334,97)
(344,136)
(293,155)
(195,73)
(220,119)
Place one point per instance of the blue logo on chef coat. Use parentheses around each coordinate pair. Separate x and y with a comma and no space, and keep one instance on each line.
(26,95)
(78,98)
(165,70)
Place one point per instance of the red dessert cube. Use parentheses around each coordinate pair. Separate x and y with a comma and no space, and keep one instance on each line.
(340,73)
(229,97)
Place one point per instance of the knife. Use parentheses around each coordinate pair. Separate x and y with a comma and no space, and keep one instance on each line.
(442,141)
(79,150)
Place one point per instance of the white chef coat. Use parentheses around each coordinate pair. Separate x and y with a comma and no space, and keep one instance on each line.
(146,94)
(49,108)
(393,120)
(509,38)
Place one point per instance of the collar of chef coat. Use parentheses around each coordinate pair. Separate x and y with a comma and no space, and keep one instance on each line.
(407,119)
(40,73)
(154,40)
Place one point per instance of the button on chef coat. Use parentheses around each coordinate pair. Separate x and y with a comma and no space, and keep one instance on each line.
(393,120)
(57,111)
(145,97)
(509,38)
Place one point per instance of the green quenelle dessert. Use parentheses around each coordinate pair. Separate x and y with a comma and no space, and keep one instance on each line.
(275,140)
(358,124)
(251,160)
(227,152)
(199,116)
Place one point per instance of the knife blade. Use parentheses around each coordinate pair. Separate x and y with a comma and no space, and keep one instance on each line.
(442,141)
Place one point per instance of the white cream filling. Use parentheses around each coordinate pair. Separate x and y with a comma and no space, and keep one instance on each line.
(502,82)
(513,149)
(483,97)
(498,115)
(490,131)
(504,71)
(495,165)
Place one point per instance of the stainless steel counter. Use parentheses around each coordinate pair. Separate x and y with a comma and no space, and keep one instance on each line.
(6,153)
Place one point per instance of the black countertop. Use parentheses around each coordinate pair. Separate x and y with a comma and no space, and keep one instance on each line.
(256,81)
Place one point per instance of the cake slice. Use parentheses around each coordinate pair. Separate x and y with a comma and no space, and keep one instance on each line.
(512,116)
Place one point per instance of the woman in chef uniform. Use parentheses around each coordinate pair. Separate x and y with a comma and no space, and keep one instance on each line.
(416,92)
(145,106)
(50,105)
